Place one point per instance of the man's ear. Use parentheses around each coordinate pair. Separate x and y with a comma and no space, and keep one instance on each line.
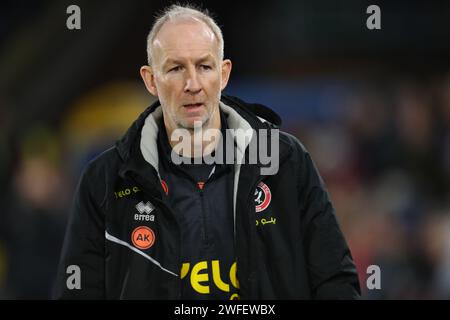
(226,70)
(149,79)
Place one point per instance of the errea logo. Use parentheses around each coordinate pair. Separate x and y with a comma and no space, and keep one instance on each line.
(144,212)
(147,207)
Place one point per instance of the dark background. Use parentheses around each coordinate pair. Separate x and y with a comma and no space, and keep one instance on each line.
(372,107)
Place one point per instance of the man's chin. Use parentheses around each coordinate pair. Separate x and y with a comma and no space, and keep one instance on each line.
(191,124)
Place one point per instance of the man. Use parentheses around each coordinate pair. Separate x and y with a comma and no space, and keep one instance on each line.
(154,220)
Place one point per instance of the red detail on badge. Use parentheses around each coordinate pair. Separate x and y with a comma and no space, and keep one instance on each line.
(143,237)
(165,187)
(262,197)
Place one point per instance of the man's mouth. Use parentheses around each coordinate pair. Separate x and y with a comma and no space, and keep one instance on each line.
(193,109)
(193,105)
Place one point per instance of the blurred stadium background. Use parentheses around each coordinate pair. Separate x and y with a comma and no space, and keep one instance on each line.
(372,107)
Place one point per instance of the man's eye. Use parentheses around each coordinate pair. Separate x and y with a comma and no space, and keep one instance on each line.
(205,67)
(175,69)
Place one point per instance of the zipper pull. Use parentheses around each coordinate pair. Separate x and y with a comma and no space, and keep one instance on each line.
(200,185)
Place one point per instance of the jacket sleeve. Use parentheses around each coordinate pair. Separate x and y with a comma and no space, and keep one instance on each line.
(81,273)
(332,273)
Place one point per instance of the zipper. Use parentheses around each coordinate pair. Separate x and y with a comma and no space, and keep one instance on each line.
(205,231)
(202,200)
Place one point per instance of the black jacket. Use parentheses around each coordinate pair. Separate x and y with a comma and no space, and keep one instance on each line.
(201,196)
(288,243)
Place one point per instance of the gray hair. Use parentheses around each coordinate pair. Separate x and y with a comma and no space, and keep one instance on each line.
(176,12)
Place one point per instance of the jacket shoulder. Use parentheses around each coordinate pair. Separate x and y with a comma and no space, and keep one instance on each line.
(106,159)
(294,143)
(99,174)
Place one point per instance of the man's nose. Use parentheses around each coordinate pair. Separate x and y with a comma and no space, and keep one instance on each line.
(193,84)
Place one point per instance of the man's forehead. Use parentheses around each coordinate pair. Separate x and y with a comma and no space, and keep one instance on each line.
(196,56)
(184,35)
(188,29)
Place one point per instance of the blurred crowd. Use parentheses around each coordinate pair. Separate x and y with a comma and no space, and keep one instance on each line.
(385,157)
(386,162)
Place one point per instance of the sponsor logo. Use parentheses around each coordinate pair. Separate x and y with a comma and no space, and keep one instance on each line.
(262,197)
(143,237)
(145,207)
(126,192)
(144,212)
(199,277)
(264,221)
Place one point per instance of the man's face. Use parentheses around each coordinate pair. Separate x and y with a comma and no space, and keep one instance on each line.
(187,74)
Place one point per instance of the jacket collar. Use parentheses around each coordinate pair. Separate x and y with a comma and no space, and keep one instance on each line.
(139,142)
